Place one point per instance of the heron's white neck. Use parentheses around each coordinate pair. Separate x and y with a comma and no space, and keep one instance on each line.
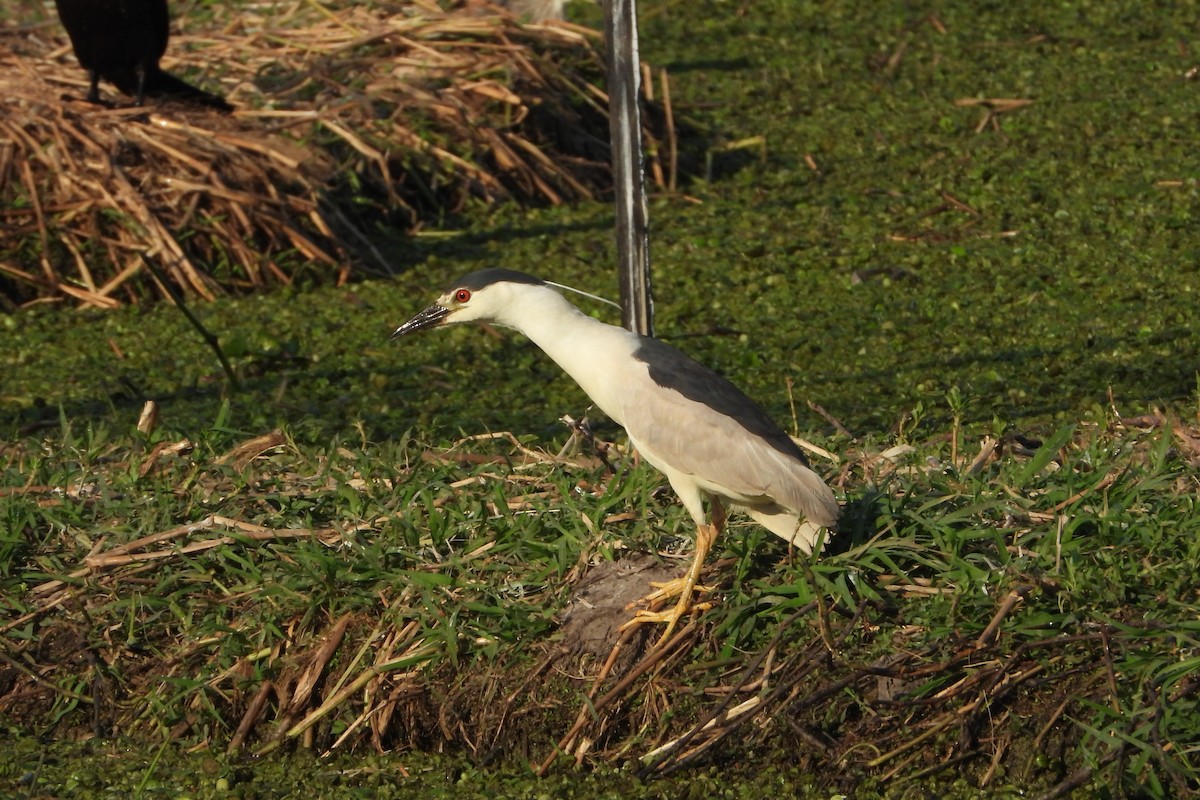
(592,352)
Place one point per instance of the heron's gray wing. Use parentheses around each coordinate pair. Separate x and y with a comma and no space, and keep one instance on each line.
(672,370)
(698,423)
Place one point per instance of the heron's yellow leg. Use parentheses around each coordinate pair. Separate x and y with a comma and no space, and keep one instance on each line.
(704,539)
(705,536)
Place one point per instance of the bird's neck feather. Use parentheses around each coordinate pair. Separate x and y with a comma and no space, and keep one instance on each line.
(592,352)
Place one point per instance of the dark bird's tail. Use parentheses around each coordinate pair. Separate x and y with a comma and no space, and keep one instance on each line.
(163,84)
(160,83)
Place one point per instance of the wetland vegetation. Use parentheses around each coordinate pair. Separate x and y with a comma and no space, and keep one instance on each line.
(954,245)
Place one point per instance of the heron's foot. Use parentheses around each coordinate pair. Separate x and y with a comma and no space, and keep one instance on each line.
(685,588)
(672,616)
(665,589)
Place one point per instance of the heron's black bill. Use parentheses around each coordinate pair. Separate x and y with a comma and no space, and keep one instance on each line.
(429,318)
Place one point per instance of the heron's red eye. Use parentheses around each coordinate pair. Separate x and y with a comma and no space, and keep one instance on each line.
(462,295)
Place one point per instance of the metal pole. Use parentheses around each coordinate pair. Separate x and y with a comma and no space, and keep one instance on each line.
(625,128)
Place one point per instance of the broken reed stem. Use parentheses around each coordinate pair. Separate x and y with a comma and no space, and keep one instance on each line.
(672,134)
(938,725)
(1010,601)
(253,713)
(212,341)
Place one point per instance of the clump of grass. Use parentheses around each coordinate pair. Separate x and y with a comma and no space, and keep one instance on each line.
(1021,613)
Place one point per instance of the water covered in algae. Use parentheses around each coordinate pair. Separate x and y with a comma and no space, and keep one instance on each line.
(123,769)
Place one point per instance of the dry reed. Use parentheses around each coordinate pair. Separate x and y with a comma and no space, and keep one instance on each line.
(351,121)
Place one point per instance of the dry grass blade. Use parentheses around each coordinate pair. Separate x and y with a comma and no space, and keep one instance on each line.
(125,554)
(307,681)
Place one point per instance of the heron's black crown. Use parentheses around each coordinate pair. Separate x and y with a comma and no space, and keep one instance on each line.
(486,277)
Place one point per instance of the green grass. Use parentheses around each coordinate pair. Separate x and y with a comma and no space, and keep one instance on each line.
(430,579)
(911,320)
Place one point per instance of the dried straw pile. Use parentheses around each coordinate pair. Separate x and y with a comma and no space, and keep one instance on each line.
(398,112)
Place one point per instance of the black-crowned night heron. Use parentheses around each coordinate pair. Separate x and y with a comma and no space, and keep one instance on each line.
(707,437)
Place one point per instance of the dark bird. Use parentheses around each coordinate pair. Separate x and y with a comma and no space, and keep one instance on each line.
(122,41)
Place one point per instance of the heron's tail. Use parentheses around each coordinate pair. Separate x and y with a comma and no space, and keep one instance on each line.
(800,533)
